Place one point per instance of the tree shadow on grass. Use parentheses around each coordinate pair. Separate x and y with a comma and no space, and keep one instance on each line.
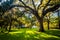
(11,36)
(27,35)
(13,30)
(53,32)
(52,38)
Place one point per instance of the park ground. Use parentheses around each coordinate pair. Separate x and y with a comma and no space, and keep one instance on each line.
(30,34)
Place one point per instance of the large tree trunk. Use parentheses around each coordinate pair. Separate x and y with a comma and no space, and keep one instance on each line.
(10,27)
(10,20)
(40,20)
(48,24)
(48,21)
(59,19)
(41,25)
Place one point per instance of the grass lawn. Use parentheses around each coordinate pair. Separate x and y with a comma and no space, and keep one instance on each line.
(30,34)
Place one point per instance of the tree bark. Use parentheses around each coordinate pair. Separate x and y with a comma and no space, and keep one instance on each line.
(48,21)
(10,20)
(59,19)
(40,20)
(10,27)
(41,25)
(48,24)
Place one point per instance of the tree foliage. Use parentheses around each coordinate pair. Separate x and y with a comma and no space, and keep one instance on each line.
(39,8)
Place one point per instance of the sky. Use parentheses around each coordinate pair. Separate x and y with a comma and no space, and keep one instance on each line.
(1,1)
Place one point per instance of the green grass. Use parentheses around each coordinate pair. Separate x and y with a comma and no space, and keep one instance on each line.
(30,34)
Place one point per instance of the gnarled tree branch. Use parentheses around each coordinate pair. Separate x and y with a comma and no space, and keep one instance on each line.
(51,9)
(39,4)
(12,6)
(33,4)
(46,5)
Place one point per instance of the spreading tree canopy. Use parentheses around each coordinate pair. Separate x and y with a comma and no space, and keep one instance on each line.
(39,8)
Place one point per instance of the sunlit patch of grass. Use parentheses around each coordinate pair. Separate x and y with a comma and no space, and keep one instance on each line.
(29,32)
(15,32)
